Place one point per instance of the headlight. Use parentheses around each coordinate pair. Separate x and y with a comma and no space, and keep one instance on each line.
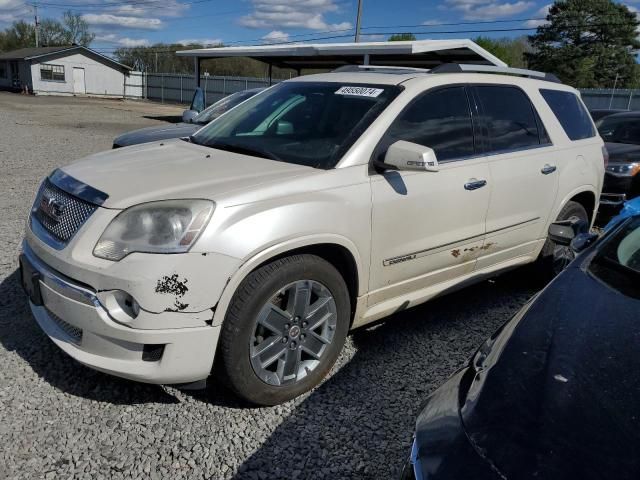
(170,226)
(624,169)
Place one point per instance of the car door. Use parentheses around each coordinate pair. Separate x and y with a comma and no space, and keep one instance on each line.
(428,227)
(523,169)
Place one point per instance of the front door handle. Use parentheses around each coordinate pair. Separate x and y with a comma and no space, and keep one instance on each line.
(547,169)
(474,184)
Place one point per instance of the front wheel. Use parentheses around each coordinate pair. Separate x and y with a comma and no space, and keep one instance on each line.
(284,329)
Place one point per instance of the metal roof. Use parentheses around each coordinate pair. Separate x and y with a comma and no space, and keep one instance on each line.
(38,52)
(418,53)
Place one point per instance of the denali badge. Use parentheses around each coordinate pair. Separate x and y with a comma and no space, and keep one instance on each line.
(51,207)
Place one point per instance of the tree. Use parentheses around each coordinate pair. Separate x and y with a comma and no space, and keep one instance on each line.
(587,43)
(72,30)
(401,37)
(509,50)
(19,35)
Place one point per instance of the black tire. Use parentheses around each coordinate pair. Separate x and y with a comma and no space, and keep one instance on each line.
(548,265)
(239,327)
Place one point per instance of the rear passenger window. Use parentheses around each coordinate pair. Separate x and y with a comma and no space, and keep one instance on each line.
(571,114)
(509,118)
(440,120)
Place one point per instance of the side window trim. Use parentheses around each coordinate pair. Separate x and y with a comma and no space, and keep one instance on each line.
(473,112)
(489,152)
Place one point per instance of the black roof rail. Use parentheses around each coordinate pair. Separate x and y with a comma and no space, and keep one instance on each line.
(380,69)
(468,68)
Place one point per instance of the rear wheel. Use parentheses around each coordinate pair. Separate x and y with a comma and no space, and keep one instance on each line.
(555,258)
(284,330)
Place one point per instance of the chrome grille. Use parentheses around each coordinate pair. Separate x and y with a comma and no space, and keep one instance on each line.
(74,333)
(60,213)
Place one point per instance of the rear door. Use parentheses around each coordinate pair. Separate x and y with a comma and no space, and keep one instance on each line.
(524,173)
(428,227)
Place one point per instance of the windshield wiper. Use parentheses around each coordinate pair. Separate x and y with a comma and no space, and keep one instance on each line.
(245,150)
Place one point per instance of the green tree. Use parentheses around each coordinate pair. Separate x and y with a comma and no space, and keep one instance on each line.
(587,43)
(19,35)
(401,37)
(509,50)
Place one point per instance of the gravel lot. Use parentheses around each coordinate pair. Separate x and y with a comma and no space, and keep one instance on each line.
(59,419)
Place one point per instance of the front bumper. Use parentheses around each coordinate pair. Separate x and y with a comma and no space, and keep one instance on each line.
(618,184)
(441,449)
(71,314)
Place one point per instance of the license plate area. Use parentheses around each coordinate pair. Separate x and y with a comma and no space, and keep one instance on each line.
(30,279)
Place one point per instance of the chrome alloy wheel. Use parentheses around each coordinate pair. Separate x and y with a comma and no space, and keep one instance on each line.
(292,332)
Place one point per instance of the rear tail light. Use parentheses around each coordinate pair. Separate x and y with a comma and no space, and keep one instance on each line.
(605,156)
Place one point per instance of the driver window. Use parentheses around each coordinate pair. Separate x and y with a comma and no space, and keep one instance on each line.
(440,120)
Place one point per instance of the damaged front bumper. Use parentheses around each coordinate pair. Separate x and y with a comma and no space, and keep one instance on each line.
(73,314)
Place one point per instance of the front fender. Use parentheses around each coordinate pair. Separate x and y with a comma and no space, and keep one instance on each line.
(252,262)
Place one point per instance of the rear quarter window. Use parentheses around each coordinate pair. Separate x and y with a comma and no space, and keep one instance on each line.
(571,113)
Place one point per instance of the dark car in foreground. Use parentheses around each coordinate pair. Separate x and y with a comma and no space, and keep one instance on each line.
(599,113)
(555,393)
(184,129)
(621,133)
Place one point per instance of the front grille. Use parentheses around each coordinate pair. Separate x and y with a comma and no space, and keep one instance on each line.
(74,333)
(60,213)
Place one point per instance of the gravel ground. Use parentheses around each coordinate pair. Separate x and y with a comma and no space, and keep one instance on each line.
(59,419)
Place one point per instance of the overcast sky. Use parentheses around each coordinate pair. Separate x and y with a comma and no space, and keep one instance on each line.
(145,22)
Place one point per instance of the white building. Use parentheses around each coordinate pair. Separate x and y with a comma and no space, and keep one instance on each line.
(74,70)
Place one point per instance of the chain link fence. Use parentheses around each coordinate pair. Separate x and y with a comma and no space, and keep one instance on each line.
(604,98)
(177,88)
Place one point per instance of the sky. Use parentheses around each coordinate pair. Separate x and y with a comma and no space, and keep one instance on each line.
(119,23)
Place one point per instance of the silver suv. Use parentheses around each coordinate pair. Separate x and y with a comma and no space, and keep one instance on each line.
(320,205)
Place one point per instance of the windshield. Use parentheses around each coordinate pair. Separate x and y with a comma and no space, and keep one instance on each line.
(221,106)
(306,123)
(618,263)
(624,129)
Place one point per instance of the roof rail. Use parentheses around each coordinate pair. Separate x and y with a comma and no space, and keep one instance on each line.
(380,69)
(467,68)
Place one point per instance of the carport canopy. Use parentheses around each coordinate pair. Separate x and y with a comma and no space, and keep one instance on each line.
(329,56)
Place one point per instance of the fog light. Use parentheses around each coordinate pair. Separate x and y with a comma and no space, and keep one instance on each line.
(120,306)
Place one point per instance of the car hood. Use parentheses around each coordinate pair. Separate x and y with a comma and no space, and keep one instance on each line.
(555,394)
(621,152)
(176,169)
(161,132)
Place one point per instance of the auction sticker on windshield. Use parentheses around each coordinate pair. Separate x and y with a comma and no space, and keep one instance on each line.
(360,91)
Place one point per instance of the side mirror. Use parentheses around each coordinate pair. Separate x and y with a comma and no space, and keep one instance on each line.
(403,155)
(284,128)
(574,233)
(189,115)
(199,100)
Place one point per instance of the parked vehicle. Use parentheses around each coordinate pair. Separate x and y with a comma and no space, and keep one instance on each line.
(599,113)
(629,209)
(184,129)
(323,204)
(621,133)
(554,393)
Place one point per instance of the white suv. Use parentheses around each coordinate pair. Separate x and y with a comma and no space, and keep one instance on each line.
(320,205)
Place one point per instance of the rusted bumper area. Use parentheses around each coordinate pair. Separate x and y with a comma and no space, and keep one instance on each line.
(72,315)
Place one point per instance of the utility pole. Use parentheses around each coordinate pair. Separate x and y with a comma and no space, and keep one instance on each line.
(358,21)
(35,12)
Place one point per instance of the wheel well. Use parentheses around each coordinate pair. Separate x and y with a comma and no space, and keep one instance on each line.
(588,201)
(336,255)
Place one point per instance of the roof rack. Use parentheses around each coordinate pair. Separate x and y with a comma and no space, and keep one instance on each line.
(467,68)
(380,69)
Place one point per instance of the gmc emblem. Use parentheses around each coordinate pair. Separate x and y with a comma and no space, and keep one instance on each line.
(51,207)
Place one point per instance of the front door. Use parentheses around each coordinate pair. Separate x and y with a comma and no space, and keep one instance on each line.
(428,227)
(523,166)
(78,81)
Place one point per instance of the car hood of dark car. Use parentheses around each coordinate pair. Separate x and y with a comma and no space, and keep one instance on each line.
(152,134)
(558,394)
(621,152)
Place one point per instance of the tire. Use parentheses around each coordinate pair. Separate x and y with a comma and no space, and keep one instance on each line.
(265,323)
(555,258)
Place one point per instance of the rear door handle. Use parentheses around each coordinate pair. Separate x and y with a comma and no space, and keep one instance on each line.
(474,184)
(547,169)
